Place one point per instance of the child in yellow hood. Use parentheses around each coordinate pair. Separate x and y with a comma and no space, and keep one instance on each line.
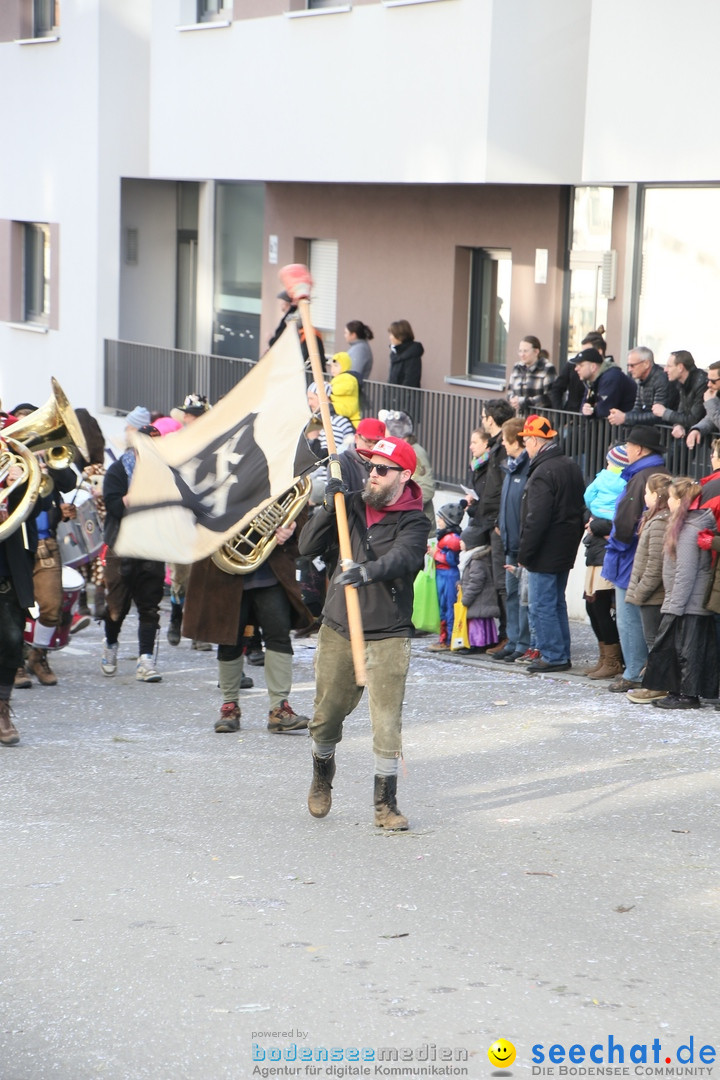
(344,388)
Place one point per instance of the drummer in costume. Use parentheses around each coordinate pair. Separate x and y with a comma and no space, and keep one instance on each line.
(47,573)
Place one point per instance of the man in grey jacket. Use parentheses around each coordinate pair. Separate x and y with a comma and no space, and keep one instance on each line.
(652,389)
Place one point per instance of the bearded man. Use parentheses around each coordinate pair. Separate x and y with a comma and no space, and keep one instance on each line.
(388,538)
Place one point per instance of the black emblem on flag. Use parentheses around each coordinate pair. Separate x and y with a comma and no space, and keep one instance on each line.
(226,480)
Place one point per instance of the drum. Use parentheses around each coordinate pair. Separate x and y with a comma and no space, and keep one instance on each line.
(80,540)
(72,586)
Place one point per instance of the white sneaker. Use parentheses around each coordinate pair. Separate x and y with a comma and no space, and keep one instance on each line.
(145,671)
(109,659)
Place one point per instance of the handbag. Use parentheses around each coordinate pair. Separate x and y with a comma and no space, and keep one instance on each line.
(426,605)
(460,638)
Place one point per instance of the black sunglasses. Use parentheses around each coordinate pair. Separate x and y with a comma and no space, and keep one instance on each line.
(381,470)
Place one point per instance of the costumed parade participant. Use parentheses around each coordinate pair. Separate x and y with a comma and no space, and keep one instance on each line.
(388,537)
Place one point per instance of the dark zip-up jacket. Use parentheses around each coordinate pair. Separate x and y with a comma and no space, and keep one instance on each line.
(612,389)
(691,404)
(650,391)
(392,551)
(553,511)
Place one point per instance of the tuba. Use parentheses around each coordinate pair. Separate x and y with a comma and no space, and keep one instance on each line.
(251,545)
(53,432)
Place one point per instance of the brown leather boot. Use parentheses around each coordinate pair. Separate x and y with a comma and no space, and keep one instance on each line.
(22,679)
(319,796)
(387,815)
(37,665)
(8,732)
(599,662)
(613,664)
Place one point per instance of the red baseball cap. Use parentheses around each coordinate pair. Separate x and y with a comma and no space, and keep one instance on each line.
(369,428)
(396,450)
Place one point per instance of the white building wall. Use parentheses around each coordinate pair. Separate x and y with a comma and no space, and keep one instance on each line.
(391,94)
(147,289)
(653,95)
(71,126)
(537,92)
(466,91)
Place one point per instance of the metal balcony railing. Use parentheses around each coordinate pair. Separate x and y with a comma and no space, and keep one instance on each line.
(161,378)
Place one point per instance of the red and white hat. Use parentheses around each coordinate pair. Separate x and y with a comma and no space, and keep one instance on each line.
(396,450)
(370,428)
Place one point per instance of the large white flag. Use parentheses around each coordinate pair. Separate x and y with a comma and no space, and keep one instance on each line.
(191,491)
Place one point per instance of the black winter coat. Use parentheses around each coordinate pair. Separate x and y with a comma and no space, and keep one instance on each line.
(553,510)
(392,551)
(490,509)
(115,487)
(568,390)
(16,559)
(406,364)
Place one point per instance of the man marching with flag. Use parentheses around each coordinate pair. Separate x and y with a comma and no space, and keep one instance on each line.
(388,534)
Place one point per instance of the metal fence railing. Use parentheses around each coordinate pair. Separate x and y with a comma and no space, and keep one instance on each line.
(160,379)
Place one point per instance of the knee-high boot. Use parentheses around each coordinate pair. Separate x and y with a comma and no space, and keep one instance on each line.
(387,815)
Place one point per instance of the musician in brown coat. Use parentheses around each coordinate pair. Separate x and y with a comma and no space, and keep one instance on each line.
(218,607)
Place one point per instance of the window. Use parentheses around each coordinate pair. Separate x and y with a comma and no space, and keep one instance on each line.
(207,10)
(299,6)
(489,313)
(323,264)
(680,272)
(239,249)
(29,274)
(591,263)
(36,274)
(46,17)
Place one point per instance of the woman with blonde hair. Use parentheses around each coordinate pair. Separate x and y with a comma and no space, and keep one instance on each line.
(683,659)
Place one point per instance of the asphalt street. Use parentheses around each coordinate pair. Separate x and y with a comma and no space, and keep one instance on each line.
(169,909)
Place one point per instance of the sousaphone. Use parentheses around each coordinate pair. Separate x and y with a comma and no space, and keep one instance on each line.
(52,431)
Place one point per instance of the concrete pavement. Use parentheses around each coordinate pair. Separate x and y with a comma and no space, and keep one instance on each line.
(170,909)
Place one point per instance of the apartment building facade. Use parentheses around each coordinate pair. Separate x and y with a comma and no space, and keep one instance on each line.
(482,168)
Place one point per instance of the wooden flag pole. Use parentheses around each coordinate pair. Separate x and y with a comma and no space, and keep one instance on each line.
(352,600)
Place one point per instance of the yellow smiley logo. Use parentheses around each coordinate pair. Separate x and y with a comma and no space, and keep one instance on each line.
(501,1053)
